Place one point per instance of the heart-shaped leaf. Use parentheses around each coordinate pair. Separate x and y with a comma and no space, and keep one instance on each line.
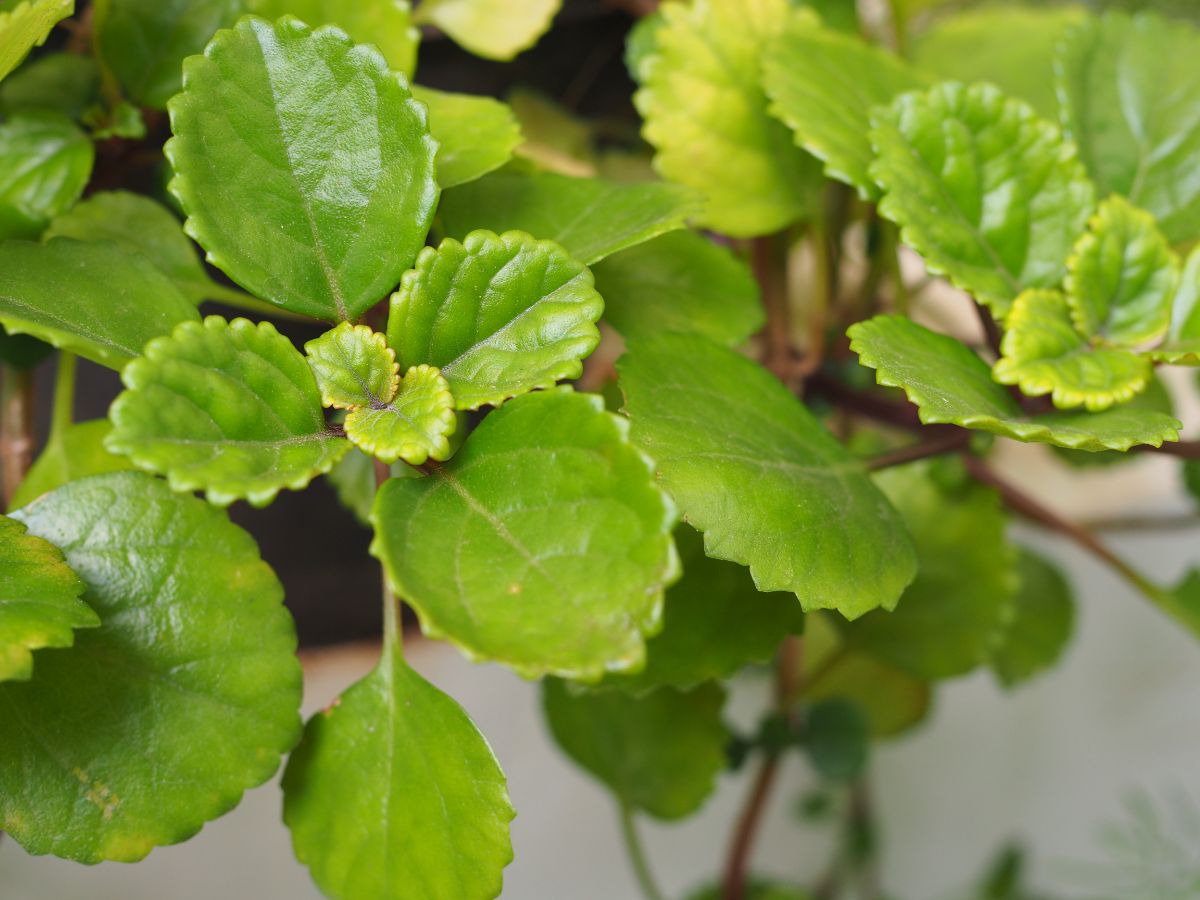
(494,29)
(354,366)
(1042,625)
(414,425)
(26,25)
(387,24)
(45,163)
(474,134)
(73,453)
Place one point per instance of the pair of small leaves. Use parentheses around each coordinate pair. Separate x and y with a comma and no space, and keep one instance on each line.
(45,163)
(25,25)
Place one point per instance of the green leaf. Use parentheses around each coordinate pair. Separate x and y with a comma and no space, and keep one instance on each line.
(706,115)
(474,134)
(589,217)
(415,425)
(555,139)
(118,301)
(1044,620)
(544,544)
(387,24)
(183,698)
(1122,276)
(354,366)
(76,452)
(500,315)
(1183,601)
(229,408)
(823,84)
(45,163)
(991,196)
(393,785)
(1044,353)
(1130,98)
(1182,343)
(641,44)
(950,384)
(143,42)
(1009,46)
(954,613)
(770,488)
(494,29)
(316,198)
(65,83)
(39,600)
(680,282)
(836,739)
(27,25)
(660,752)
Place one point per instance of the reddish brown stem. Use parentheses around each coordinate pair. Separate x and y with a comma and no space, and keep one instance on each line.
(737,867)
(949,441)
(770,270)
(16,428)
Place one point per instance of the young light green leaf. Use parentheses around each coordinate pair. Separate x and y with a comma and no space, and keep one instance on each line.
(1122,276)
(316,198)
(706,115)
(679,282)
(1181,347)
(118,301)
(500,315)
(393,785)
(991,196)
(474,134)
(39,600)
(99,756)
(555,139)
(544,544)
(65,83)
(1044,620)
(950,384)
(495,29)
(27,25)
(75,452)
(641,44)
(385,23)
(823,84)
(660,753)
(229,408)
(1130,98)
(590,217)
(770,488)
(45,163)
(415,425)
(1044,353)
(354,366)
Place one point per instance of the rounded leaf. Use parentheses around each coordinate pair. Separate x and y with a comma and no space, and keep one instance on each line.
(491,28)
(413,426)
(1042,626)
(474,134)
(354,366)
(45,163)
(387,24)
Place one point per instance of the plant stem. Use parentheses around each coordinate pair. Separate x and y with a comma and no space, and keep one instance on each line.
(63,414)
(738,862)
(1182,449)
(770,270)
(947,442)
(16,427)
(991,330)
(393,630)
(637,854)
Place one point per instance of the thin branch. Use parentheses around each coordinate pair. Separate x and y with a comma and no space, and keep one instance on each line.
(637,855)
(1180,522)
(737,865)
(1182,449)
(868,404)
(393,630)
(991,330)
(951,441)
(16,428)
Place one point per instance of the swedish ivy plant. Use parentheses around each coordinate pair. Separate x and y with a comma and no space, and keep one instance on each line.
(631,416)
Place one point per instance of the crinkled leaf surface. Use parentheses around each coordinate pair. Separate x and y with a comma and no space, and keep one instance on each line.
(393,790)
(544,544)
(27,25)
(679,282)
(950,384)
(990,195)
(706,115)
(1044,353)
(1044,620)
(45,163)
(75,452)
(64,82)
(118,301)
(823,84)
(500,315)
(757,473)
(39,600)
(1130,95)
(660,752)
(304,165)
(1182,343)
(229,408)
(474,134)
(415,425)
(495,29)
(183,698)
(354,366)
(387,24)
(590,217)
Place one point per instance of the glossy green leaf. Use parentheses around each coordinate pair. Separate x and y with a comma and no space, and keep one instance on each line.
(660,752)
(495,29)
(39,600)
(118,301)
(757,473)
(707,116)
(823,84)
(414,425)
(183,698)
(1122,276)
(1130,98)
(305,166)
(474,134)
(950,384)
(229,408)
(1182,343)
(1044,620)
(991,196)
(354,366)
(836,739)
(1044,353)
(65,83)
(500,315)
(680,282)
(590,217)
(26,25)
(544,544)
(76,452)
(45,163)
(387,24)
(394,791)
(144,42)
